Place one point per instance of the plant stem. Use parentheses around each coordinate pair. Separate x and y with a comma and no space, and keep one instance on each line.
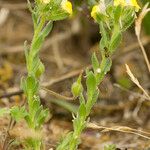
(30,97)
(35,36)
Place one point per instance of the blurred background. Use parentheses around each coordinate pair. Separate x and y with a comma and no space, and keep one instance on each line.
(65,53)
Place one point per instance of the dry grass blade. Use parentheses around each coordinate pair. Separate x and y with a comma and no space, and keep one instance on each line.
(138,24)
(3,15)
(124,129)
(57,94)
(135,80)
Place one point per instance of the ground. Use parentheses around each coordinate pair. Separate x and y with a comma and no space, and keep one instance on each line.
(66,53)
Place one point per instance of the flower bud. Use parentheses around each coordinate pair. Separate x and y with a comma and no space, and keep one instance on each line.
(77,87)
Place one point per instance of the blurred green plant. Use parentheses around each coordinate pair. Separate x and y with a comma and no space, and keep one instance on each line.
(113,19)
(124,82)
(146,20)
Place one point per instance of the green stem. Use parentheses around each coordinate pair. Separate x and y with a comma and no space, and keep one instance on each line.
(30,97)
(35,36)
(31,57)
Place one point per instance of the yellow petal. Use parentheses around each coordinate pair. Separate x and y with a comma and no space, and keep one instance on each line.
(67,6)
(135,4)
(94,11)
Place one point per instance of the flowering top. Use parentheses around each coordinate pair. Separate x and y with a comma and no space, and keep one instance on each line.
(126,3)
(53,9)
(67,6)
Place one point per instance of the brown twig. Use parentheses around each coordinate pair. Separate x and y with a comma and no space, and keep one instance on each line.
(57,94)
(64,77)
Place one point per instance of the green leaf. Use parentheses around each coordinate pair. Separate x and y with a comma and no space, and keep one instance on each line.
(38,111)
(32,84)
(36,63)
(95,97)
(117,13)
(115,39)
(39,40)
(35,19)
(128,17)
(105,67)
(29,121)
(47,29)
(91,84)
(81,98)
(42,117)
(90,103)
(95,62)
(40,70)
(18,113)
(35,106)
(4,111)
(37,44)
(82,110)
(105,37)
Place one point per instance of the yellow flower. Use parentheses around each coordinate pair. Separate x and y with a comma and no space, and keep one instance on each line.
(45,1)
(67,6)
(127,3)
(94,11)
